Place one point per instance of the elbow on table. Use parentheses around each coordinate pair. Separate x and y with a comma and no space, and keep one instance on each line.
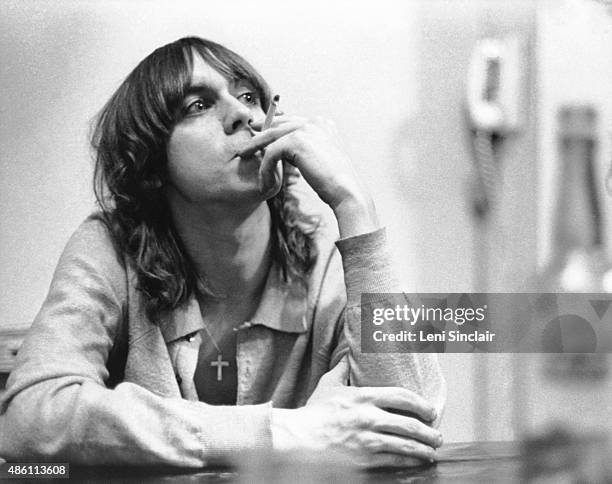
(32,428)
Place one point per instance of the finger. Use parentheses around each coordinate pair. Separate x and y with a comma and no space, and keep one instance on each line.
(270,177)
(279,118)
(407,427)
(290,173)
(274,153)
(401,399)
(377,443)
(291,170)
(263,139)
(337,376)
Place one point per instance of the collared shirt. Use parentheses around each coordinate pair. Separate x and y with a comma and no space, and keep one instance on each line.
(97,382)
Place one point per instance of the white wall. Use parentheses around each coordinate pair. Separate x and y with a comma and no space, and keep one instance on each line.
(350,62)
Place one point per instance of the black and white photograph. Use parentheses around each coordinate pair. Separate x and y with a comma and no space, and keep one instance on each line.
(306,242)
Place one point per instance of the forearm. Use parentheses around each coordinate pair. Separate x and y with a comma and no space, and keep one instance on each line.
(356,215)
(367,269)
(79,421)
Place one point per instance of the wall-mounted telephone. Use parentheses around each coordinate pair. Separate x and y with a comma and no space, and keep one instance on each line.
(495,85)
(493,100)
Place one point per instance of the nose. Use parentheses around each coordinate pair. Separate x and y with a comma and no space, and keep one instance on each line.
(237,116)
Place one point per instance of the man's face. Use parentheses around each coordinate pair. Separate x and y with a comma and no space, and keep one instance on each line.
(213,125)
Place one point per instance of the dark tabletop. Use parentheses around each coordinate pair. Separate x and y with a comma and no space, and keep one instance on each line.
(553,457)
(471,462)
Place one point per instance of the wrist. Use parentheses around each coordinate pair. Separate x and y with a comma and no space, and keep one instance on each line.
(280,424)
(356,215)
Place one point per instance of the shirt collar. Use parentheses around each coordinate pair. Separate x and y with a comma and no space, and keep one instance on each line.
(283,307)
(182,321)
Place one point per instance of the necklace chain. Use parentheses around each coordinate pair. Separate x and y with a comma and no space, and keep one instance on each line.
(214,342)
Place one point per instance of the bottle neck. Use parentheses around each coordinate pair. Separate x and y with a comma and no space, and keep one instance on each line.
(577,262)
(577,223)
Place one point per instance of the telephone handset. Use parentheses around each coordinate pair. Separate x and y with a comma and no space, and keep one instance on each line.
(494,86)
(493,98)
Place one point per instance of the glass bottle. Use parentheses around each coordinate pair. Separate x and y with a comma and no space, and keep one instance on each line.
(567,408)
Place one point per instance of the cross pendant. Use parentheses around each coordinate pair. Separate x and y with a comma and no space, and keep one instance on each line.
(219,364)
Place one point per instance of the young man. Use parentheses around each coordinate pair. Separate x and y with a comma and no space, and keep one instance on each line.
(201,314)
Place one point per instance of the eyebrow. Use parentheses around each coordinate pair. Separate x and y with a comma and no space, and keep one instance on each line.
(199,87)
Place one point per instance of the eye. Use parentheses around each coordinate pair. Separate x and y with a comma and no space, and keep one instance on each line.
(249,97)
(196,107)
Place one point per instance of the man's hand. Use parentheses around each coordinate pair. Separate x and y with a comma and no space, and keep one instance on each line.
(358,421)
(313,147)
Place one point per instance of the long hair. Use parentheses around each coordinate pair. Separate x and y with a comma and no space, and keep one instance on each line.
(129,139)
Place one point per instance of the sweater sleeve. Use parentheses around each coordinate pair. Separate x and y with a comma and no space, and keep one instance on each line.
(57,406)
(367,269)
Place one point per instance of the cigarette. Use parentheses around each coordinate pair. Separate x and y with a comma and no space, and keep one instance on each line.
(271,112)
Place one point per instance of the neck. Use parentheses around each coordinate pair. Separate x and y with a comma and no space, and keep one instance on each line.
(229,245)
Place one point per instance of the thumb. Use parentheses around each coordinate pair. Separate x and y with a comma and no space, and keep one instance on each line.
(338,375)
(270,172)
